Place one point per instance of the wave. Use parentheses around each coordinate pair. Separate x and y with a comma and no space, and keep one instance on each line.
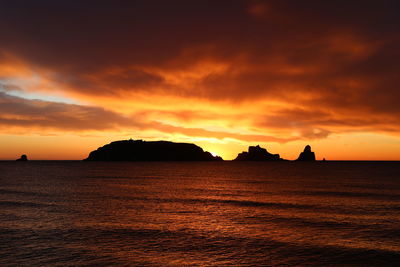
(97,244)
(22,193)
(373,195)
(12,204)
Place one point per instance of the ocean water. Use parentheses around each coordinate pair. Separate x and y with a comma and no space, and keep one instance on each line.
(199,214)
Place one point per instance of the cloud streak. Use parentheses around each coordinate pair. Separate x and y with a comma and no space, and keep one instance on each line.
(19,112)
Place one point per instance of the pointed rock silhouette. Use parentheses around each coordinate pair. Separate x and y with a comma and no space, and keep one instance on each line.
(307,154)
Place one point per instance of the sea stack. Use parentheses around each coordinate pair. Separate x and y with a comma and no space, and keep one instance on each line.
(138,150)
(257,153)
(23,158)
(307,154)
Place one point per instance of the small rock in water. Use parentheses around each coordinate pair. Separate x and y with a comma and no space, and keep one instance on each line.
(23,158)
(307,154)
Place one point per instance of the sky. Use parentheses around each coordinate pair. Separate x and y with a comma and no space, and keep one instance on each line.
(75,75)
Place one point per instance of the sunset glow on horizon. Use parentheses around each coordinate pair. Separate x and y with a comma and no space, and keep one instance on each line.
(223,75)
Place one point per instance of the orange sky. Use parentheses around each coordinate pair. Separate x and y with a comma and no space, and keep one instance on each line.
(225,75)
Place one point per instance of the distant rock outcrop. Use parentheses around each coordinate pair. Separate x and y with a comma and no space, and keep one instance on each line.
(23,158)
(307,154)
(257,153)
(138,150)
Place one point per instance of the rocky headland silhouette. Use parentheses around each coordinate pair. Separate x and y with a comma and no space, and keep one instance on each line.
(23,158)
(139,150)
(307,154)
(257,153)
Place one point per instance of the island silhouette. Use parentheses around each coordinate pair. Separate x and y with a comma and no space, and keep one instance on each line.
(23,158)
(139,150)
(257,153)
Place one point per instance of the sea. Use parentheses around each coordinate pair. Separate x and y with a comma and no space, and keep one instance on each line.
(74,213)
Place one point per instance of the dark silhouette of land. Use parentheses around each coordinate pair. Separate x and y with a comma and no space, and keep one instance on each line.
(307,154)
(257,153)
(23,158)
(138,150)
